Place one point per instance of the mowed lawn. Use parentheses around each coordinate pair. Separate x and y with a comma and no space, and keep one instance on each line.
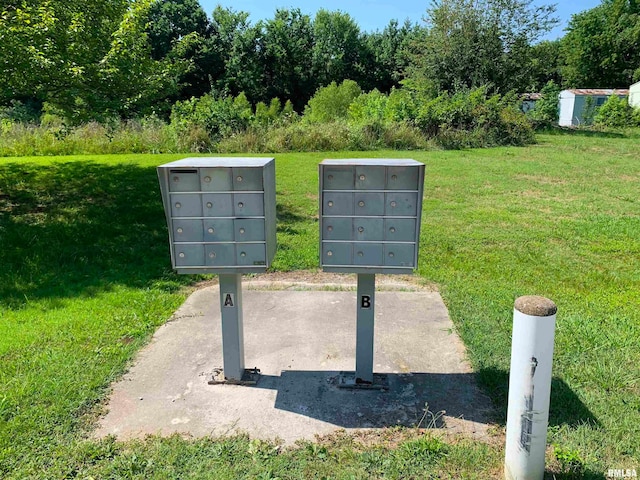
(85,279)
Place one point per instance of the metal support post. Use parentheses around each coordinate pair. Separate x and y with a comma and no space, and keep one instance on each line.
(364,328)
(232,334)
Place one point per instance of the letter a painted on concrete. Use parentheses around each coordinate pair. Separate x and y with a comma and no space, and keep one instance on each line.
(365,301)
(229,300)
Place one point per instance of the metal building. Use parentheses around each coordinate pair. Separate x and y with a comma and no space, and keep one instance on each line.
(577,106)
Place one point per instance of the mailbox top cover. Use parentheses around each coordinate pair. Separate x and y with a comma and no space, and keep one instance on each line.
(384,162)
(196,162)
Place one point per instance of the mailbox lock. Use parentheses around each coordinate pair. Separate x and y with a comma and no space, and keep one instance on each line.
(360,254)
(178,205)
(209,204)
(330,228)
(329,253)
(242,230)
(330,204)
(393,204)
(243,254)
(211,230)
(392,230)
(361,203)
(240,205)
(330,177)
(207,179)
(391,254)
(180,230)
(212,255)
(239,179)
(394,177)
(176,179)
(181,255)
(361,229)
(362,177)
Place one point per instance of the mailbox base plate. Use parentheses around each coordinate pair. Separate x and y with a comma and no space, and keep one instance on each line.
(349,380)
(249,377)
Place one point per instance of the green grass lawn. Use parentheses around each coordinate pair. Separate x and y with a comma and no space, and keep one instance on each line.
(85,280)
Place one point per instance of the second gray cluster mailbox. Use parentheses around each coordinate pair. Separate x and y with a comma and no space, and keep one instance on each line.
(220,213)
(370,215)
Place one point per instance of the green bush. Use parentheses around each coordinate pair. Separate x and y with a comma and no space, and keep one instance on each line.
(615,112)
(546,110)
(332,102)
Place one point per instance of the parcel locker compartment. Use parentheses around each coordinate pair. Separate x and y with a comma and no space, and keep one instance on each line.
(249,254)
(402,178)
(217,204)
(399,254)
(336,203)
(184,180)
(220,254)
(186,205)
(370,178)
(336,253)
(187,230)
(337,228)
(189,255)
(368,204)
(400,230)
(249,230)
(368,229)
(367,254)
(218,230)
(337,177)
(215,179)
(401,204)
(247,178)
(248,204)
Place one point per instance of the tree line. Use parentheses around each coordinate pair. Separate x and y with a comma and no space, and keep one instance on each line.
(130,58)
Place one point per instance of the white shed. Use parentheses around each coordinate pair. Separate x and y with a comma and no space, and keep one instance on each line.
(575,106)
(634,95)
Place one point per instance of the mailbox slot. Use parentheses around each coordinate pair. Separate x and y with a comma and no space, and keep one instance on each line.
(184,180)
(248,204)
(338,228)
(338,178)
(367,204)
(368,229)
(247,179)
(336,253)
(337,203)
(218,230)
(217,204)
(399,254)
(220,254)
(186,205)
(189,255)
(215,180)
(250,254)
(367,254)
(249,230)
(187,230)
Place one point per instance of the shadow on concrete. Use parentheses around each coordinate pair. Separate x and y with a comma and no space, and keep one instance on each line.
(565,408)
(412,399)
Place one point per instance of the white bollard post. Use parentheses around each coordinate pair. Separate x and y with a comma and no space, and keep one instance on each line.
(534,323)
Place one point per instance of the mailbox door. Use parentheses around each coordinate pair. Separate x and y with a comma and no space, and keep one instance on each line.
(187,231)
(402,178)
(367,254)
(248,179)
(337,177)
(337,228)
(399,254)
(368,229)
(335,203)
(249,230)
(336,253)
(215,179)
(401,204)
(189,255)
(248,204)
(186,205)
(367,204)
(251,254)
(217,204)
(400,230)
(184,180)
(370,177)
(220,254)
(218,229)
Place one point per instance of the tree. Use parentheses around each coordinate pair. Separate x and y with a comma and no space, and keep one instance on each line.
(602,44)
(337,49)
(287,41)
(545,64)
(476,42)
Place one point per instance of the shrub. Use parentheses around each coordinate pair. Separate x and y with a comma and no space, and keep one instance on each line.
(546,110)
(332,102)
(615,112)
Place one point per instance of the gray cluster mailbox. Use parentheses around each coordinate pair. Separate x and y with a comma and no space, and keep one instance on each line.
(221,216)
(370,211)
(370,215)
(220,213)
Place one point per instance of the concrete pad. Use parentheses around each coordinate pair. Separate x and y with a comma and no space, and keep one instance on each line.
(301,341)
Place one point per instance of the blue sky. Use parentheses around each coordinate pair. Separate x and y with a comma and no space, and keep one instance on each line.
(373,15)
